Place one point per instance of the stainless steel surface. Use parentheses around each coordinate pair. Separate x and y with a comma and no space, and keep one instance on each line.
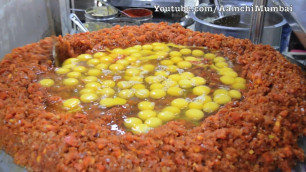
(298,57)
(77,21)
(81,4)
(55,58)
(89,18)
(90,15)
(27,22)
(145,3)
(64,11)
(257,22)
(56,16)
(93,26)
(7,164)
(124,13)
(103,9)
(217,5)
(75,9)
(107,10)
(228,20)
(23,22)
(272,28)
(186,21)
(296,18)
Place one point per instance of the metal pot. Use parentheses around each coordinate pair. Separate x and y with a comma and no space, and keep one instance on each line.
(271,34)
(96,14)
(93,26)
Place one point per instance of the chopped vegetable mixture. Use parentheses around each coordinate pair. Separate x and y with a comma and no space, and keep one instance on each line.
(47,126)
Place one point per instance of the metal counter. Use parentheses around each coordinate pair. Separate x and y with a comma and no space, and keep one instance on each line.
(7,164)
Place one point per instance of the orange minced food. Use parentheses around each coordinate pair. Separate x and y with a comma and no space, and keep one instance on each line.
(256,133)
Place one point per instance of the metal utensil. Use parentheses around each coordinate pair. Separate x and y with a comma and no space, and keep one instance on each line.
(141,14)
(186,21)
(257,22)
(76,9)
(231,20)
(218,5)
(124,13)
(77,21)
(55,58)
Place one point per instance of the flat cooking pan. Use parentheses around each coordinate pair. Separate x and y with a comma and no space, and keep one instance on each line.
(7,164)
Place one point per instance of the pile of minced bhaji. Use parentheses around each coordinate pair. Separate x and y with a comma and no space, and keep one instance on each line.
(66,118)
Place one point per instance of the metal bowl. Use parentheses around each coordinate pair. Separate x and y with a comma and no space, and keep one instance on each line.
(272,28)
(100,13)
(93,26)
